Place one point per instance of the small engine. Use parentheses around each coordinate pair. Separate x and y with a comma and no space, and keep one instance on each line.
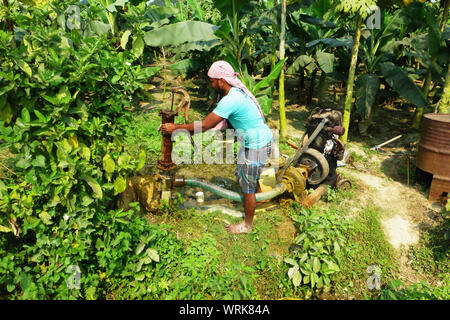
(327,141)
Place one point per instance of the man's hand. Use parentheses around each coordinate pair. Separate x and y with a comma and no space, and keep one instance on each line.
(168,128)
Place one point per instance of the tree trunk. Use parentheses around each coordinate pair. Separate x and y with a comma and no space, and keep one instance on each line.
(311,88)
(445,15)
(351,79)
(322,84)
(274,42)
(419,110)
(301,84)
(283,124)
(443,105)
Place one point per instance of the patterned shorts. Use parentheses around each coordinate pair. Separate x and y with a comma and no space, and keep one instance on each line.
(249,168)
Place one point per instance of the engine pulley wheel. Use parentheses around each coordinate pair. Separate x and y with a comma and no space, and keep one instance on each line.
(315,160)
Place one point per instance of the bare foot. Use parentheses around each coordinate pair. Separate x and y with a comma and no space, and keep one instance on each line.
(239,228)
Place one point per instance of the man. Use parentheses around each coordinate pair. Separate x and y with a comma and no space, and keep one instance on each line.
(241,109)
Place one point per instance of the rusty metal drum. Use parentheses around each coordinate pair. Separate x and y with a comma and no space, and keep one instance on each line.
(433,155)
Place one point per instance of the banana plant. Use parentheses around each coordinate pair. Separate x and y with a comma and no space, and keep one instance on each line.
(110,9)
(319,36)
(382,48)
(360,9)
(232,32)
(263,90)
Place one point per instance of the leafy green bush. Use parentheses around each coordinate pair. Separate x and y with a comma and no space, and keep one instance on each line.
(318,248)
(63,113)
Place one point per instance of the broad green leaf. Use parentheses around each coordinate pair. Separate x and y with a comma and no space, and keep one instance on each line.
(197,45)
(314,279)
(124,39)
(297,278)
(291,271)
(306,268)
(39,161)
(86,201)
(398,79)
(123,159)
(108,164)
(320,283)
(7,88)
(300,238)
(195,5)
(270,78)
(316,265)
(265,102)
(185,66)
(64,145)
(317,21)
(95,186)
(5,229)
(85,152)
(334,43)
(25,115)
(291,261)
(229,8)
(25,67)
(73,140)
(139,265)
(138,46)
(306,279)
(325,61)
(99,27)
(45,217)
(99,244)
(90,293)
(23,163)
(140,248)
(6,113)
(141,160)
(120,184)
(177,33)
(366,90)
(333,266)
(147,73)
(40,116)
(303,61)
(153,254)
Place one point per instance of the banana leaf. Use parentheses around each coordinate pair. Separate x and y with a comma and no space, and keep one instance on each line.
(366,90)
(398,79)
(195,5)
(325,61)
(185,66)
(334,43)
(177,33)
(317,21)
(271,77)
(241,6)
(302,62)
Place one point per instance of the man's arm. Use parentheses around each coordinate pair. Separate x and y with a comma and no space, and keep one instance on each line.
(209,122)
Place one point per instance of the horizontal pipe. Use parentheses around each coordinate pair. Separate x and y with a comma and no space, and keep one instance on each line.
(235,196)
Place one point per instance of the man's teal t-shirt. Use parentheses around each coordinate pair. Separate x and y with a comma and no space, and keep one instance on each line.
(243,114)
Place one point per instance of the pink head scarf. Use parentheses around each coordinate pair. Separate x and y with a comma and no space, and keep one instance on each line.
(223,70)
